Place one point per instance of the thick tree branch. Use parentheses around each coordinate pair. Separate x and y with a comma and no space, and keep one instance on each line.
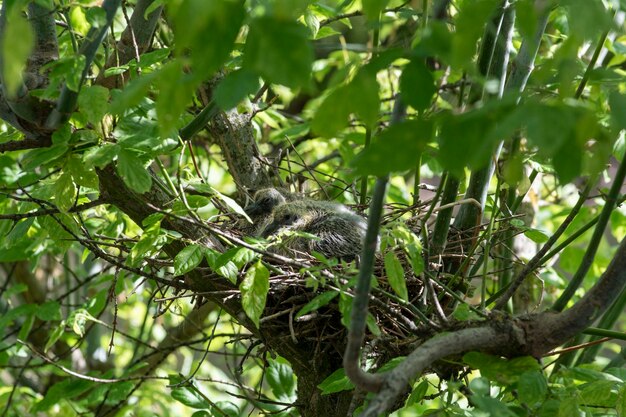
(398,380)
(25,112)
(135,40)
(528,335)
(67,100)
(234,134)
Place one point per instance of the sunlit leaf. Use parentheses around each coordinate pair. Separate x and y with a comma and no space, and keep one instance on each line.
(395,275)
(187,259)
(335,382)
(133,171)
(254,288)
(17,42)
(317,302)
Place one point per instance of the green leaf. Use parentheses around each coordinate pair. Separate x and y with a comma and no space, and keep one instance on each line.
(317,302)
(17,42)
(462,312)
(133,93)
(281,379)
(620,405)
(149,243)
(56,334)
(61,391)
(532,387)
(617,102)
(470,22)
(395,149)
(599,394)
(254,288)
(82,175)
(190,396)
(569,407)
(43,156)
(65,192)
(232,204)
(373,8)
(50,310)
(465,139)
(100,156)
(235,87)
(365,98)
(395,275)
(177,88)
(133,171)
(536,236)
(187,259)
(279,51)
(208,30)
(414,249)
(503,371)
(418,393)
(587,19)
(26,327)
(336,382)
(332,115)
(93,102)
(417,85)
(223,264)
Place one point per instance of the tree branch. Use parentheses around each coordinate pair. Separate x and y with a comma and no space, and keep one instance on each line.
(527,335)
(67,100)
(536,260)
(135,40)
(598,232)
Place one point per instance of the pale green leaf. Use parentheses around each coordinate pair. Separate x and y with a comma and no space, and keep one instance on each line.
(133,171)
(254,288)
(17,42)
(65,192)
(395,275)
(93,102)
(187,259)
(317,302)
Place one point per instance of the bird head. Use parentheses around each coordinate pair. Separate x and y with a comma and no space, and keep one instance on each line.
(285,217)
(264,202)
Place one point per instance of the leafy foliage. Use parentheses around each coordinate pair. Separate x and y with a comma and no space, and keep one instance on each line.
(121,252)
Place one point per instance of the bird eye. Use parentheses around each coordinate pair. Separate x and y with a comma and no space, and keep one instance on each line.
(265,200)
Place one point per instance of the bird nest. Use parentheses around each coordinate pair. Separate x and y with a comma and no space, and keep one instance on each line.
(309,299)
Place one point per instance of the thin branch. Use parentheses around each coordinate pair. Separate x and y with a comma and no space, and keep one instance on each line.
(356,335)
(590,253)
(536,260)
(27,143)
(134,41)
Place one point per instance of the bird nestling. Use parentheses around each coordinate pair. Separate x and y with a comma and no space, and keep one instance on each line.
(338,232)
(260,210)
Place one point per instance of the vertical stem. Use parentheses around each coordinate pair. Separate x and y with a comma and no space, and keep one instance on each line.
(590,253)
(368,130)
